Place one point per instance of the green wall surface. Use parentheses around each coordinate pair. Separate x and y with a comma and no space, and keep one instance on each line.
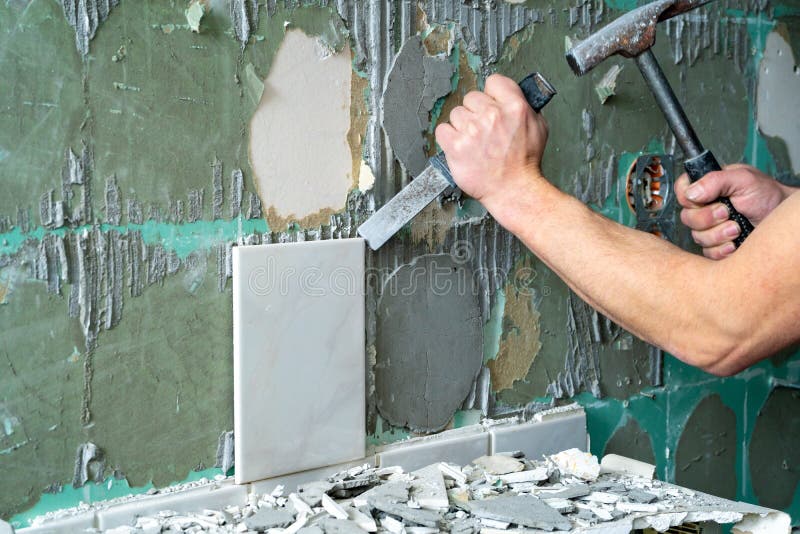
(121,148)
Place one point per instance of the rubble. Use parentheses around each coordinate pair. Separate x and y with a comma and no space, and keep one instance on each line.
(560,493)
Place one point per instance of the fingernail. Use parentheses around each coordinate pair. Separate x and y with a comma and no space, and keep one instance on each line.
(732,230)
(721,213)
(694,192)
(728,248)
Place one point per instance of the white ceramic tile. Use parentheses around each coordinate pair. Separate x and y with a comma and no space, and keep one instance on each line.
(457,446)
(298,321)
(212,497)
(538,438)
(291,481)
(79,523)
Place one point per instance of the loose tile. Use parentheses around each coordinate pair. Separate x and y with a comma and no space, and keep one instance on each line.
(499,464)
(429,490)
(299,395)
(614,463)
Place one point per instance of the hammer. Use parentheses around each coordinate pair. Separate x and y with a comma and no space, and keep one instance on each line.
(633,35)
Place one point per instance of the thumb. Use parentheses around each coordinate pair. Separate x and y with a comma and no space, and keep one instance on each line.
(707,189)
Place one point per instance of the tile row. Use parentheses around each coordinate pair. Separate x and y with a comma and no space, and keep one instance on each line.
(459,446)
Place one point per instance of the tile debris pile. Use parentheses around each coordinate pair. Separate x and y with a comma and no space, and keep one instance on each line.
(504,493)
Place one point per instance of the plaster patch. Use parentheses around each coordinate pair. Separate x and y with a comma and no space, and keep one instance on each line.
(429,342)
(299,152)
(776,100)
(365,177)
(519,343)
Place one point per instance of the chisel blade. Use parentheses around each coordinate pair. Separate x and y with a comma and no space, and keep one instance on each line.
(396,213)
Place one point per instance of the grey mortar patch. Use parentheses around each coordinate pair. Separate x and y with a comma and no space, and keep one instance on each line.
(706,456)
(429,342)
(773,449)
(631,441)
(415,82)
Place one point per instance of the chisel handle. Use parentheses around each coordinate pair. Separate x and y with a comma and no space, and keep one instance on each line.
(538,92)
(705,163)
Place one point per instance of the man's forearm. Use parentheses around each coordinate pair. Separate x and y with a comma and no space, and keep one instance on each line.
(628,275)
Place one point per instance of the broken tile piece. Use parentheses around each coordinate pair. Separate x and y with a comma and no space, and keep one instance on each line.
(575,462)
(393,491)
(523,510)
(537,474)
(429,490)
(361,519)
(267,518)
(392,525)
(570,492)
(562,506)
(312,492)
(452,472)
(641,496)
(299,504)
(629,507)
(339,526)
(333,508)
(602,497)
(277,357)
(614,463)
(426,518)
(499,464)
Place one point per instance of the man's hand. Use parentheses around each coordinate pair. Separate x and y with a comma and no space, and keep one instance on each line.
(753,194)
(494,143)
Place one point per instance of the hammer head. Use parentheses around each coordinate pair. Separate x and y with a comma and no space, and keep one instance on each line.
(629,35)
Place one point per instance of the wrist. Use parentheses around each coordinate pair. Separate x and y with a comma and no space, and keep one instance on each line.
(787,191)
(523,195)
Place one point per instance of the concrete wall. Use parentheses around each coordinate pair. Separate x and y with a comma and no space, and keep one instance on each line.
(139,141)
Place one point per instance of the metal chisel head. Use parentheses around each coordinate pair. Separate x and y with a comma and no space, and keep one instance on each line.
(403,207)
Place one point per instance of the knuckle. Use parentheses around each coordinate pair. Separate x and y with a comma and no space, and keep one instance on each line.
(472,97)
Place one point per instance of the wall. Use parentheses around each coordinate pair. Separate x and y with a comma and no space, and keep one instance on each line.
(139,141)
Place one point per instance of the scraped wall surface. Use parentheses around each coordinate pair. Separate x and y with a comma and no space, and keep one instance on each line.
(138,145)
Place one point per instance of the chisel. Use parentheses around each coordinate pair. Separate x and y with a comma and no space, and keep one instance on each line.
(435,179)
